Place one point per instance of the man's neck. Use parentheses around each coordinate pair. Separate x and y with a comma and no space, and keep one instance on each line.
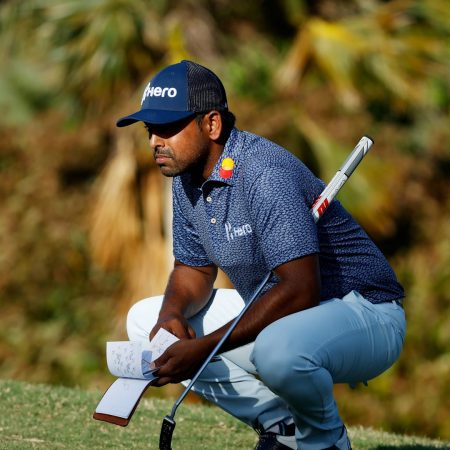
(215,152)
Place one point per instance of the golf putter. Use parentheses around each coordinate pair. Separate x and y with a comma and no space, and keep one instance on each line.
(168,425)
(318,209)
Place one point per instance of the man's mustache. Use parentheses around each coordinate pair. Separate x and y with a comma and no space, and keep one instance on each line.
(163,152)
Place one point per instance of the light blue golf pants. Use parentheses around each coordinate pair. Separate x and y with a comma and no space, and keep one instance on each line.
(296,360)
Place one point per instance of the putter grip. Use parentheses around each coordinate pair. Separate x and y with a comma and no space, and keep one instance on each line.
(362,147)
(165,438)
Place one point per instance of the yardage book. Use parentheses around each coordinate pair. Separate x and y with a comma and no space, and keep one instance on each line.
(130,362)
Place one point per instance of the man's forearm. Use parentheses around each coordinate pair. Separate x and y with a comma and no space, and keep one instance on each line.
(266,310)
(188,290)
(298,289)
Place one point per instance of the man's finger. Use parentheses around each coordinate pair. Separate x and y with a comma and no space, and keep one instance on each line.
(179,330)
(161,381)
(191,332)
(160,362)
(154,331)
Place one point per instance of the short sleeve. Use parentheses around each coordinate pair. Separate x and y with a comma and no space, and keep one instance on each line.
(187,247)
(280,203)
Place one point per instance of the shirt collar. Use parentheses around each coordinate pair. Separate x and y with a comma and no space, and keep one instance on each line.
(233,151)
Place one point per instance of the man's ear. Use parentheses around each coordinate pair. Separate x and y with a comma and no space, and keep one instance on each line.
(213,124)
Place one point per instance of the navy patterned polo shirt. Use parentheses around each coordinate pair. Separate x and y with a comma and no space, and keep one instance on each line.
(253,214)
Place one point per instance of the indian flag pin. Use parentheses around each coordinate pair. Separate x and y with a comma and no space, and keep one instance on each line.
(227,168)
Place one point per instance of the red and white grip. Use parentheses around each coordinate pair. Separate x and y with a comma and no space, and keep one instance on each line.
(342,175)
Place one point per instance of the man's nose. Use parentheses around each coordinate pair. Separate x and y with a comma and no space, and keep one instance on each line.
(156,141)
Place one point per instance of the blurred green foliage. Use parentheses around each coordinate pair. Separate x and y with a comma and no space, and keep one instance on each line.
(312,75)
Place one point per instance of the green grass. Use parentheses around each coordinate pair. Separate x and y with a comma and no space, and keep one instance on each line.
(48,417)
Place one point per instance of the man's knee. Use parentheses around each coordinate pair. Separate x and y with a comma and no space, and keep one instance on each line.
(273,358)
(142,317)
(280,362)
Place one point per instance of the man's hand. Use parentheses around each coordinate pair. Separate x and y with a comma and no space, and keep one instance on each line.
(175,324)
(181,360)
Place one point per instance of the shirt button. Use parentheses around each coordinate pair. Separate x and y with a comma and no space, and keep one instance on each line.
(213,220)
(209,199)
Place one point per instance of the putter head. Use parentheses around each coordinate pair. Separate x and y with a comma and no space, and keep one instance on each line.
(165,438)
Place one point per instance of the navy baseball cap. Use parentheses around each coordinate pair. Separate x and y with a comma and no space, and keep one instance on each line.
(177,92)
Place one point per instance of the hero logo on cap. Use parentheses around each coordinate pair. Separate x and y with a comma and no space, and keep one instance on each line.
(178,92)
(157,91)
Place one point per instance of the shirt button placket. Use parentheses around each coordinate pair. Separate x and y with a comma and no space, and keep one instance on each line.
(209,200)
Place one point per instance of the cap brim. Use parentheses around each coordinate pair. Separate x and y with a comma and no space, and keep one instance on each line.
(155,117)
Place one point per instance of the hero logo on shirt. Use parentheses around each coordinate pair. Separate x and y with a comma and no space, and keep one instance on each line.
(157,91)
(235,232)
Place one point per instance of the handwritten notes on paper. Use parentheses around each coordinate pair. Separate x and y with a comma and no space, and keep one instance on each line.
(130,362)
(132,359)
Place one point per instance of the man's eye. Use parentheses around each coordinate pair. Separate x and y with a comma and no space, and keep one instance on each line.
(147,129)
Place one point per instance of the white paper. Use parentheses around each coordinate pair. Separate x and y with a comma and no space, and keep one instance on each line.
(160,342)
(121,397)
(124,358)
(132,359)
